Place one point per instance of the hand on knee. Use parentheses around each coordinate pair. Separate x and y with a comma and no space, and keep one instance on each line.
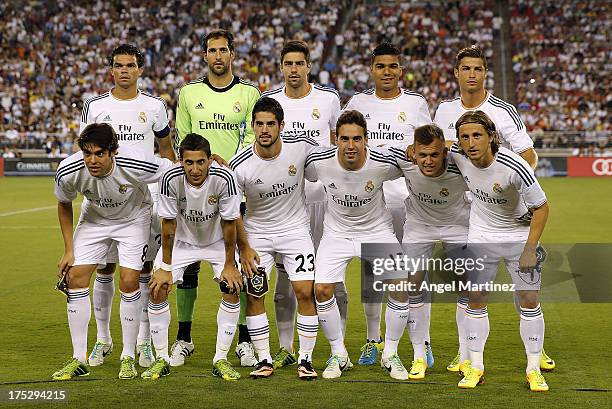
(161,297)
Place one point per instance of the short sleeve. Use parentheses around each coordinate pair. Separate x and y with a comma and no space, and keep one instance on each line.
(167,207)
(161,127)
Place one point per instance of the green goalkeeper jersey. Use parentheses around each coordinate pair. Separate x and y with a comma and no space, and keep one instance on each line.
(221,115)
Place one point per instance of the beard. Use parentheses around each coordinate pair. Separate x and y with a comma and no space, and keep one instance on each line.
(219,70)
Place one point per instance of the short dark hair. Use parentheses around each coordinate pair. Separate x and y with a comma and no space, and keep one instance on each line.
(385,48)
(474,52)
(195,142)
(127,49)
(426,134)
(219,33)
(479,117)
(352,117)
(102,135)
(296,46)
(267,104)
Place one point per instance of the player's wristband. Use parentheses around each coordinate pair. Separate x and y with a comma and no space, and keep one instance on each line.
(165,266)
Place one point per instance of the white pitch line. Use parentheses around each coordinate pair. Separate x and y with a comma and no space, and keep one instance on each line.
(35,209)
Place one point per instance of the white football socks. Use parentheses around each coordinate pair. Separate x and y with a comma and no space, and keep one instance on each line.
(227,320)
(129,311)
(79,314)
(159,318)
(103,292)
(396,316)
(532,333)
(259,330)
(329,320)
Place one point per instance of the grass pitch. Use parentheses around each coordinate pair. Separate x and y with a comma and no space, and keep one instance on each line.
(36,341)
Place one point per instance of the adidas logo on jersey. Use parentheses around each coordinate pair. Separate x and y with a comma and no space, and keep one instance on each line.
(199,106)
(332,185)
(367,116)
(451,126)
(107,119)
(259,182)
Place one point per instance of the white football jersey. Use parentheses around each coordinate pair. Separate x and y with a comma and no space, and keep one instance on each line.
(434,201)
(136,121)
(391,121)
(274,188)
(355,202)
(502,192)
(313,115)
(119,197)
(509,126)
(199,210)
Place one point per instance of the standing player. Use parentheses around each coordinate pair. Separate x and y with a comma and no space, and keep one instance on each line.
(116,209)
(504,189)
(139,119)
(471,72)
(392,114)
(310,111)
(219,106)
(199,203)
(353,176)
(436,210)
(271,175)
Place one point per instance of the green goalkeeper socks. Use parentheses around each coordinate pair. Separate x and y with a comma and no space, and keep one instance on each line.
(243,303)
(185,303)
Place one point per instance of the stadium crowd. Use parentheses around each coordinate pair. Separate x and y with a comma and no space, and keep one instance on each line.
(55,55)
(429,37)
(562,65)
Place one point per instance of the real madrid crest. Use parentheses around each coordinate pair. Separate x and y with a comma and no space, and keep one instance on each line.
(315,114)
(369,186)
(142,117)
(401,117)
(444,192)
(497,188)
(292,170)
(212,199)
(237,107)
(122,189)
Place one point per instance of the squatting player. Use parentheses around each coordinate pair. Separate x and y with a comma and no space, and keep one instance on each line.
(436,210)
(271,175)
(470,72)
(139,120)
(504,189)
(353,176)
(199,203)
(116,210)
(392,114)
(310,111)
(218,106)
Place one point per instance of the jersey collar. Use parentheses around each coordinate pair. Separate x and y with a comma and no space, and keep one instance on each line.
(488,94)
(122,100)
(235,81)
(305,96)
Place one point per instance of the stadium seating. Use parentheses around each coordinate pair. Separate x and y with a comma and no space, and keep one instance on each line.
(54,56)
(561,64)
